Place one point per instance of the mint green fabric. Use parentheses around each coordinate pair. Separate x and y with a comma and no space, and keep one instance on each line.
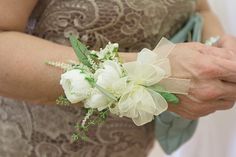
(172,131)
(191,31)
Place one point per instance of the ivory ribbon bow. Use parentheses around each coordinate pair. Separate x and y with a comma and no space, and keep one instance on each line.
(151,68)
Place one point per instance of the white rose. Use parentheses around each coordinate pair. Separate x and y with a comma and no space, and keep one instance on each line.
(97,100)
(109,78)
(75,86)
(110,73)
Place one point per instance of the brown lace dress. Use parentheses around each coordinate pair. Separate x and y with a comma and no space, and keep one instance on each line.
(28,130)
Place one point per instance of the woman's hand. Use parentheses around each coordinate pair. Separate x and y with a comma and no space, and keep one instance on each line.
(227,42)
(208,90)
(192,110)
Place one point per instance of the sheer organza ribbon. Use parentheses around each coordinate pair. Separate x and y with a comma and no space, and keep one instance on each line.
(169,83)
(152,68)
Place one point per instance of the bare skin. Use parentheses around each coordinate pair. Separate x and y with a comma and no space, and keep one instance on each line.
(210,20)
(210,74)
(215,88)
(228,42)
(24,76)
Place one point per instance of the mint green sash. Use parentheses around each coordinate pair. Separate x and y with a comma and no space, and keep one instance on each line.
(172,130)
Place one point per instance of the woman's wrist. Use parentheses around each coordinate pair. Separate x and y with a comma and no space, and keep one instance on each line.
(128,57)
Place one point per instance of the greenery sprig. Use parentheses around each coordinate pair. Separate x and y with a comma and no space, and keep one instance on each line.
(92,118)
(62,100)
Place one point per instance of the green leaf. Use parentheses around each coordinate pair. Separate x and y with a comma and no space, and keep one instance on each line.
(80,50)
(90,80)
(62,100)
(170,97)
(105,92)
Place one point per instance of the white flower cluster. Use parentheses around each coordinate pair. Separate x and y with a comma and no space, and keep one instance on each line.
(128,83)
(109,52)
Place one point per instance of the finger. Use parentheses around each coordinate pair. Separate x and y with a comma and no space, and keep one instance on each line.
(220,43)
(204,107)
(205,90)
(218,52)
(183,112)
(211,90)
(225,105)
(193,108)
(223,40)
(193,45)
(226,69)
(227,41)
(191,114)
(229,91)
(216,67)
(212,67)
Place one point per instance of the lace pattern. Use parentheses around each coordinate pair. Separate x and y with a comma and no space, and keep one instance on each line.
(28,130)
(134,24)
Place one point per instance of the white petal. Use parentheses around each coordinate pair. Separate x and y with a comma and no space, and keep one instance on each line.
(147,103)
(97,100)
(114,65)
(125,103)
(120,86)
(146,56)
(143,118)
(110,73)
(75,86)
(161,104)
(144,74)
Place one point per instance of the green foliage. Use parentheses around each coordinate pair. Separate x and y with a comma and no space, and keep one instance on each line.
(62,100)
(60,65)
(169,97)
(94,118)
(90,80)
(80,50)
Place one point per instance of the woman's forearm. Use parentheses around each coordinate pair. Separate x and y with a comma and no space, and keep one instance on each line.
(212,26)
(23,74)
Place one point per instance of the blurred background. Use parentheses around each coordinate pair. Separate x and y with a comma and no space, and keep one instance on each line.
(216,134)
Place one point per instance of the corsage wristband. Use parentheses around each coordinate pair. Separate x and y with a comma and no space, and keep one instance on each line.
(138,90)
